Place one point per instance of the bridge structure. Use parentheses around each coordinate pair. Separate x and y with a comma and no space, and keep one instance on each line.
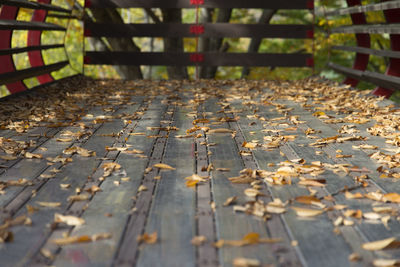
(199,172)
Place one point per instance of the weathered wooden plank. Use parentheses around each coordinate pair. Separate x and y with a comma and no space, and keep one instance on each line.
(208,59)
(75,174)
(220,30)
(173,210)
(207,256)
(302,229)
(113,200)
(367,231)
(292,4)
(127,254)
(231,226)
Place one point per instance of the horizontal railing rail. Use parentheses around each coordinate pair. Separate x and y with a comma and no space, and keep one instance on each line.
(11,75)
(386,82)
(287,4)
(216,30)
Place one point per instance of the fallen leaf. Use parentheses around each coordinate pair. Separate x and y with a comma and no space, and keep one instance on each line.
(386,262)
(29,155)
(303,212)
(198,240)
(391,197)
(68,219)
(49,204)
(163,166)
(148,238)
(387,243)
(81,197)
(230,201)
(80,239)
(246,262)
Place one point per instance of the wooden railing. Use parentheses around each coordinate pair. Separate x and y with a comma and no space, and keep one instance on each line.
(12,77)
(207,30)
(388,82)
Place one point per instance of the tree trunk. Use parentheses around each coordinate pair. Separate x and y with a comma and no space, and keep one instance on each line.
(215,44)
(174,44)
(119,44)
(256,42)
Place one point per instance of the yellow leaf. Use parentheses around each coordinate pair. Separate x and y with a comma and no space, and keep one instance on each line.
(163,166)
(148,238)
(49,204)
(303,212)
(382,244)
(68,219)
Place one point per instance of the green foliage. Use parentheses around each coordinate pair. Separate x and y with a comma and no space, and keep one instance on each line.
(321,46)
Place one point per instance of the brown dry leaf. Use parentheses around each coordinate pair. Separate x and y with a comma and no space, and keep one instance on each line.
(64,139)
(386,262)
(246,262)
(47,176)
(142,188)
(198,240)
(303,212)
(249,145)
(307,200)
(48,204)
(194,179)
(8,157)
(388,243)
(163,166)
(251,192)
(93,189)
(81,197)
(29,155)
(357,195)
(249,239)
(68,219)
(230,201)
(391,197)
(223,169)
(148,238)
(80,239)
(312,182)
(6,236)
(65,186)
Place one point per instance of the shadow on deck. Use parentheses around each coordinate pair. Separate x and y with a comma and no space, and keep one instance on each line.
(207,173)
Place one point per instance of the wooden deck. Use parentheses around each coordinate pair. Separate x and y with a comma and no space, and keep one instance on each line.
(262,174)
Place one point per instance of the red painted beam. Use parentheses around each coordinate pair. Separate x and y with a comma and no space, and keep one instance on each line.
(7,63)
(34,39)
(363,40)
(392,16)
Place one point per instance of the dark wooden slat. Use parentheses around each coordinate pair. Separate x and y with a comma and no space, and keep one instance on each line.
(25,25)
(210,30)
(288,4)
(369,28)
(77,175)
(364,50)
(29,48)
(34,5)
(210,59)
(364,8)
(231,225)
(386,81)
(19,75)
(128,251)
(172,214)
